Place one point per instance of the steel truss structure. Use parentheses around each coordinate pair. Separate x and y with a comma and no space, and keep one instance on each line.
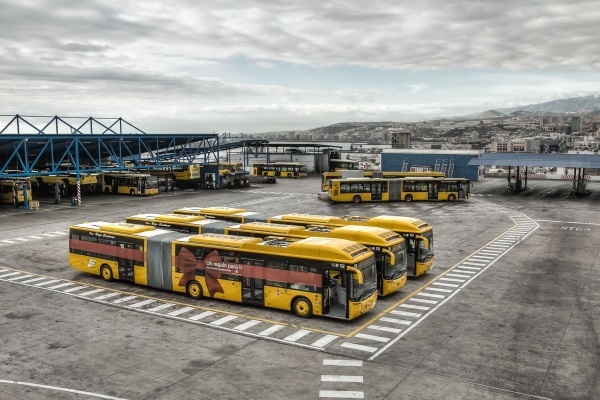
(58,145)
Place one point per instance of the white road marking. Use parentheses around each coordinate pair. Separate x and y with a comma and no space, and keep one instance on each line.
(271,330)
(384,329)
(161,307)
(223,320)
(360,347)
(297,335)
(102,396)
(341,394)
(325,340)
(342,378)
(246,325)
(372,337)
(343,363)
(194,317)
(180,311)
(406,313)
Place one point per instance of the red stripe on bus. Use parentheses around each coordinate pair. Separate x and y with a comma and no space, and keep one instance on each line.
(105,249)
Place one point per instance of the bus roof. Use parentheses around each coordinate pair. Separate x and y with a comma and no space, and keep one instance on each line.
(324,248)
(213,210)
(179,218)
(363,234)
(120,228)
(391,222)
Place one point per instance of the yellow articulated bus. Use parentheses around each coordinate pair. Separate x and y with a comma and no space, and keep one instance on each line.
(326,177)
(280,169)
(129,183)
(359,190)
(417,234)
(389,247)
(316,276)
(238,215)
(12,191)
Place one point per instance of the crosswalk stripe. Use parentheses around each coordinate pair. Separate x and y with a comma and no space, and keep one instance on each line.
(107,296)
(395,321)
(384,329)
(16,278)
(467,267)
(124,299)
(342,378)
(433,289)
(324,341)
(415,307)
(61,285)
(271,330)
(200,316)
(91,292)
(343,363)
(458,275)
(141,303)
(74,289)
(297,335)
(161,307)
(246,325)
(180,311)
(435,296)
(464,272)
(223,320)
(41,278)
(341,394)
(11,274)
(360,347)
(372,337)
(452,280)
(423,301)
(405,313)
(453,285)
(47,282)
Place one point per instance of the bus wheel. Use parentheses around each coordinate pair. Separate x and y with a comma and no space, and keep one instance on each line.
(106,273)
(408,197)
(451,197)
(302,307)
(194,290)
(356,199)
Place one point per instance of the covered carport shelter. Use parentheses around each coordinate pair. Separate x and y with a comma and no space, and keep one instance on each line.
(579,162)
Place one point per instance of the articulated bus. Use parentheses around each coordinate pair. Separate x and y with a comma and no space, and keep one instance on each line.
(12,191)
(389,247)
(316,276)
(238,215)
(399,189)
(280,169)
(418,234)
(326,177)
(183,176)
(129,183)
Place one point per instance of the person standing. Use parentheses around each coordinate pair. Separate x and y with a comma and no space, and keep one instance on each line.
(56,193)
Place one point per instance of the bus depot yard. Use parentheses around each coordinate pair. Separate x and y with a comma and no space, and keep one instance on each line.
(506,312)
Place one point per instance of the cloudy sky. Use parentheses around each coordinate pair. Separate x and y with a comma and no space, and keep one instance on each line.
(269,65)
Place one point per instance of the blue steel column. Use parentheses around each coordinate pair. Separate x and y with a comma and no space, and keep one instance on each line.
(77,172)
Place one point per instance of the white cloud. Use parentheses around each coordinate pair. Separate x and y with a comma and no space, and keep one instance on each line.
(272,63)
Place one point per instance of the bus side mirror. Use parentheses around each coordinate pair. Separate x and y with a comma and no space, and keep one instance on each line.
(424,239)
(391,255)
(359,276)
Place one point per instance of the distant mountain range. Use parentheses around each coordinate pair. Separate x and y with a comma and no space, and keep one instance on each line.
(580,105)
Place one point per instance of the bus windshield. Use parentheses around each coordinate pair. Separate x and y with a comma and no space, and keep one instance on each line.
(152,182)
(359,291)
(394,271)
(425,253)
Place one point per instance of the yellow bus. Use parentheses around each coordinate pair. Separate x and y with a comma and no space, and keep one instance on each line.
(280,169)
(238,215)
(389,247)
(129,183)
(182,176)
(184,223)
(336,164)
(326,177)
(417,234)
(45,183)
(359,190)
(12,191)
(315,276)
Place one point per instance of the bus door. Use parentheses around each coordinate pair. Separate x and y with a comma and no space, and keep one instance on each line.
(411,259)
(141,189)
(252,287)
(127,265)
(337,293)
(376,190)
(433,190)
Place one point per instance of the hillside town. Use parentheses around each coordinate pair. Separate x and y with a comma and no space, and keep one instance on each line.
(521,131)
